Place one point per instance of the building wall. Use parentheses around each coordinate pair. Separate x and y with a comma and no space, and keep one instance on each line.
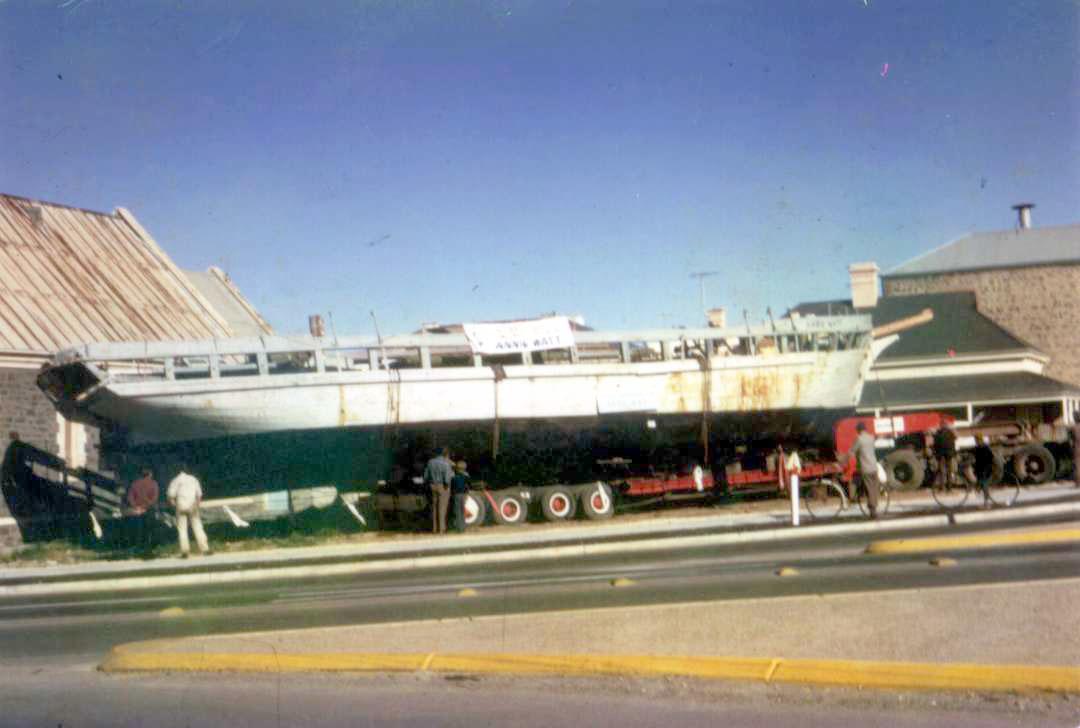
(1037,304)
(24,409)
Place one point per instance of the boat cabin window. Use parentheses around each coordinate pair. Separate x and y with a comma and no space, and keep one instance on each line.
(454,359)
(506,360)
(293,362)
(237,365)
(646,351)
(192,367)
(403,359)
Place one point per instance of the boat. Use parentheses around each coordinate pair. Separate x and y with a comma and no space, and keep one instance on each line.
(188,392)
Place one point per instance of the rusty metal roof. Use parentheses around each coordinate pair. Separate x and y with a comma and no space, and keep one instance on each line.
(69,276)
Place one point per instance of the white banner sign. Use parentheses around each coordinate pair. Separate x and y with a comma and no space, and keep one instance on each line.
(519,336)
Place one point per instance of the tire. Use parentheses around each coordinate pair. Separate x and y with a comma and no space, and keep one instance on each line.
(475,510)
(558,503)
(823,499)
(904,470)
(596,502)
(950,497)
(510,509)
(1034,464)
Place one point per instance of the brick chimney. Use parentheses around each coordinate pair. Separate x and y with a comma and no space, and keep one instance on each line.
(864,284)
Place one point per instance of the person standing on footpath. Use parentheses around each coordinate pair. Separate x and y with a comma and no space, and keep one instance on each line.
(438,474)
(459,490)
(185,494)
(866,460)
(141,500)
(945,455)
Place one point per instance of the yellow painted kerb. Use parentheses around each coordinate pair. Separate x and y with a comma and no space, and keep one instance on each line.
(974,541)
(142,657)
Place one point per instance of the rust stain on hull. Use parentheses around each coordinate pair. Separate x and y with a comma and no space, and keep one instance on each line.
(758,390)
(676,384)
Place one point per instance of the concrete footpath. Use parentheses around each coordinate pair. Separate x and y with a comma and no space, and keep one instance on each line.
(1010,637)
(769,523)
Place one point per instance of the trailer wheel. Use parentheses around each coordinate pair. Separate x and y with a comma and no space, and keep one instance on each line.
(1034,464)
(510,509)
(475,511)
(596,502)
(558,503)
(904,470)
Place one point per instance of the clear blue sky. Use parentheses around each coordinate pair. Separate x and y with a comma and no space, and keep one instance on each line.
(442,161)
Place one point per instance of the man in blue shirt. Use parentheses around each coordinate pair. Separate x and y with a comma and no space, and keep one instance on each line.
(438,474)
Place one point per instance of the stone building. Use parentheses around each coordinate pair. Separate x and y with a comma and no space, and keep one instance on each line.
(958,361)
(70,276)
(1026,280)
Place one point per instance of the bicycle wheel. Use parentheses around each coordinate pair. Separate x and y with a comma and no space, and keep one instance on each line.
(882,500)
(823,499)
(1006,492)
(950,496)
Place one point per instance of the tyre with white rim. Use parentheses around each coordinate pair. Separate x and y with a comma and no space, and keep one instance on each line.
(475,510)
(510,508)
(596,501)
(557,502)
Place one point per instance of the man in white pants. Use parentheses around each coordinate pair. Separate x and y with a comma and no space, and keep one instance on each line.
(185,494)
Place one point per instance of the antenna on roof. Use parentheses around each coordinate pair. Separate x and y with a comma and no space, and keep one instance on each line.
(330,316)
(378,336)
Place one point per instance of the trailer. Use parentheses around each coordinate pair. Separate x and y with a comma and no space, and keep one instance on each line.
(1032,454)
(905,453)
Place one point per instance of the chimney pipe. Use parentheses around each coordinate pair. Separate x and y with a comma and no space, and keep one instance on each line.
(315,325)
(1023,214)
(717,318)
(864,284)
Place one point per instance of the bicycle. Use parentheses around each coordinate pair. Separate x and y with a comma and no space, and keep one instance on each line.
(828,499)
(1002,489)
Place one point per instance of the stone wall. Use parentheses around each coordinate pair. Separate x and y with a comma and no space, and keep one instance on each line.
(26,410)
(1037,304)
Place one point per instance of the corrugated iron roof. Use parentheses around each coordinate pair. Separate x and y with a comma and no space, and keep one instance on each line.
(227,300)
(957,326)
(70,276)
(998,249)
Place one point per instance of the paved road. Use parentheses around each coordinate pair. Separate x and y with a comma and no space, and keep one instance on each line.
(81,698)
(50,646)
(56,630)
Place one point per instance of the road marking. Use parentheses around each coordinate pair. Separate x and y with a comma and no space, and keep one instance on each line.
(855,673)
(84,602)
(973,541)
